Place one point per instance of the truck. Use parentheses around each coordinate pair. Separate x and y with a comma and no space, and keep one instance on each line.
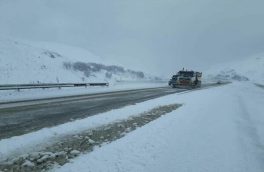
(186,79)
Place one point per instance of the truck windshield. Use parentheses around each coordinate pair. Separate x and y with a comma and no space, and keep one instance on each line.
(186,73)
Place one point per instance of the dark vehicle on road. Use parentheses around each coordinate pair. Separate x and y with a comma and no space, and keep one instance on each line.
(186,79)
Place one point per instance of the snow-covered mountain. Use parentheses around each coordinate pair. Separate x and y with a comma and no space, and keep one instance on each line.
(250,69)
(20,62)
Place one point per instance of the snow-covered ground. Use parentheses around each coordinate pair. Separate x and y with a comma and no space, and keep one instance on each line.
(14,95)
(216,129)
(23,62)
(219,129)
(251,68)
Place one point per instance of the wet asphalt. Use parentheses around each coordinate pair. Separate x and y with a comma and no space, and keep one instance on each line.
(19,118)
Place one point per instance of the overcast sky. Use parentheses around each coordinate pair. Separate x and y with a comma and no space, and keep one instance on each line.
(159,36)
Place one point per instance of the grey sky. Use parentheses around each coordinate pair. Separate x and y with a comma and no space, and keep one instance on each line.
(158,36)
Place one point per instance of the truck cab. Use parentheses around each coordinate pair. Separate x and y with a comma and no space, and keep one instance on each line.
(186,79)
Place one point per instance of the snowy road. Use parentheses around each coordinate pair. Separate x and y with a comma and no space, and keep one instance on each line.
(24,117)
(216,130)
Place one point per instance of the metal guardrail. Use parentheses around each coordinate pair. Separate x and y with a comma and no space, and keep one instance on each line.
(48,85)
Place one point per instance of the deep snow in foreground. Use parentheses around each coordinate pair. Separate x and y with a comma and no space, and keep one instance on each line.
(218,129)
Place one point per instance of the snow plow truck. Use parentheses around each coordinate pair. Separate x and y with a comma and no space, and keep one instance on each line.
(186,79)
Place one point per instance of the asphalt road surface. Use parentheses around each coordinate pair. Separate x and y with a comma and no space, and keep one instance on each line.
(19,118)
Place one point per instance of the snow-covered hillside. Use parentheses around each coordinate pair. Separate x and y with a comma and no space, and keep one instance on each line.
(251,69)
(23,63)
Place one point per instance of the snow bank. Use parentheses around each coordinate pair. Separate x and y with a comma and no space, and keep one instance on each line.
(219,129)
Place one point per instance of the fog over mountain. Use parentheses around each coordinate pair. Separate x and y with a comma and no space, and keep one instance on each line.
(156,36)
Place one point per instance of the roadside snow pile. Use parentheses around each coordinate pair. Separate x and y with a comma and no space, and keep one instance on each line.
(35,141)
(24,63)
(250,69)
(218,129)
(64,150)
